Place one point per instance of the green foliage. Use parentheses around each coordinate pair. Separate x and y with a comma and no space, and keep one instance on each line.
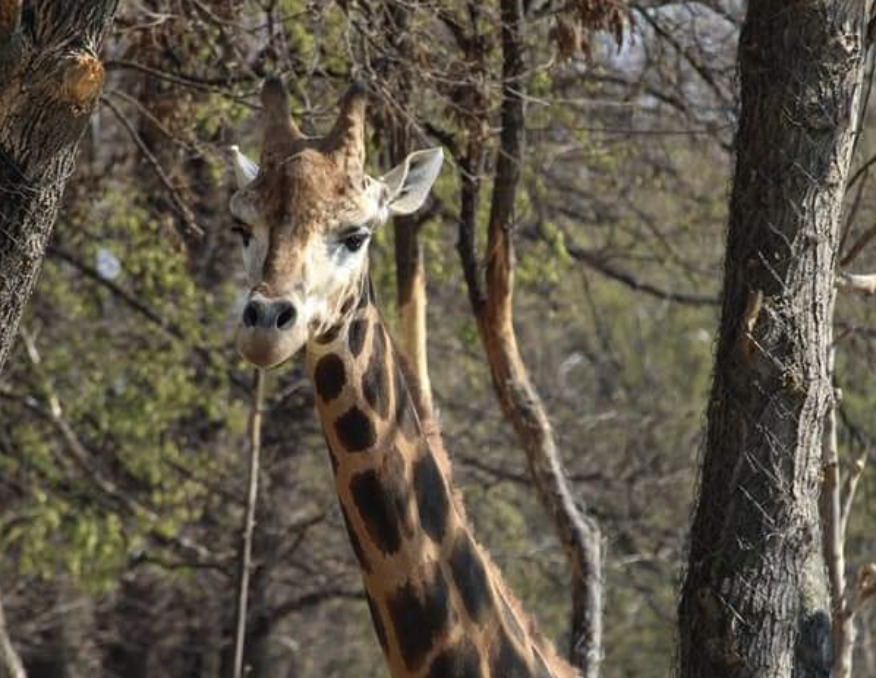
(160,403)
(128,388)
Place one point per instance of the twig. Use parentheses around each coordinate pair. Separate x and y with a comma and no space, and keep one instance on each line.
(699,68)
(255,443)
(835,507)
(160,126)
(848,492)
(10,662)
(182,208)
(55,250)
(212,17)
(858,246)
(202,84)
(594,261)
(833,544)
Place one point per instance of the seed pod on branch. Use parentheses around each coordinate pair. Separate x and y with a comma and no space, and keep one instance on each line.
(573,29)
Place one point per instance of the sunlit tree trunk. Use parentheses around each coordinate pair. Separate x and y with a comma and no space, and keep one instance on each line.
(409,262)
(755,599)
(50,78)
(493,306)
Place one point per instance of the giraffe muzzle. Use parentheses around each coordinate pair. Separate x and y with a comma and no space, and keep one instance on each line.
(276,314)
(270,332)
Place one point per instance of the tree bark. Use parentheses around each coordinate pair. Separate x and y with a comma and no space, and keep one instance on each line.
(493,306)
(755,597)
(409,263)
(50,77)
(411,289)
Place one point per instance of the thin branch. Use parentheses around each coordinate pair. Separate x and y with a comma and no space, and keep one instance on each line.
(595,262)
(858,246)
(470,168)
(154,121)
(212,17)
(182,208)
(860,172)
(704,73)
(310,600)
(129,299)
(10,661)
(202,84)
(833,543)
(54,413)
(848,492)
(255,444)
(864,283)
(204,352)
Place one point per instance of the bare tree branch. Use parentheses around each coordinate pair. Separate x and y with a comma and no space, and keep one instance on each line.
(255,445)
(594,261)
(184,211)
(843,630)
(864,283)
(10,662)
(493,308)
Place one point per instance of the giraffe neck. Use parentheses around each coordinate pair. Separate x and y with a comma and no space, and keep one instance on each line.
(438,605)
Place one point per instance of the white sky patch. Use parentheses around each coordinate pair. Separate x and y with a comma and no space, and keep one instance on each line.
(107,264)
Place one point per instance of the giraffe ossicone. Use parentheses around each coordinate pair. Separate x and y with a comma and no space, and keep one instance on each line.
(306,214)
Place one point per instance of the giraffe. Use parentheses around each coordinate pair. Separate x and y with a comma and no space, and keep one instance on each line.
(305,214)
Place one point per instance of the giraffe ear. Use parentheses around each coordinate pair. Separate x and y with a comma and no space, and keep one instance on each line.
(245,170)
(409,182)
(243,206)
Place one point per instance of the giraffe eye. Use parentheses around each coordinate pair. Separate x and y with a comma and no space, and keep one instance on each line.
(354,241)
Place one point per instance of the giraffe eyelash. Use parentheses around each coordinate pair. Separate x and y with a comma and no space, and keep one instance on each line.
(354,241)
(353,238)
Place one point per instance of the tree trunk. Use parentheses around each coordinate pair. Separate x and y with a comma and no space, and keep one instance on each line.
(50,77)
(493,306)
(411,286)
(409,263)
(755,599)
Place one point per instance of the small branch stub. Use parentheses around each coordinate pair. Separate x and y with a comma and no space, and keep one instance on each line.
(753,307)
(866,284)
(82,81)
(866,584)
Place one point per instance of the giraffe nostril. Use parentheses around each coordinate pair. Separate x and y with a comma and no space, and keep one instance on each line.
(285,316)
(251,314)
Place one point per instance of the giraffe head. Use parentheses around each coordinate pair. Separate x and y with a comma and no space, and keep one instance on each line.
(305,215)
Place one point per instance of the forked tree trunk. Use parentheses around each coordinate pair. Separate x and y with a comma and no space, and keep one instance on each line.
(50,77)
(493,306)
(755,598)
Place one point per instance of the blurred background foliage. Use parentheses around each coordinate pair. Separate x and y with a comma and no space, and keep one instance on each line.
(123,411)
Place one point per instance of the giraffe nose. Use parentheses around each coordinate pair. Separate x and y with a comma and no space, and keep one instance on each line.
(277,314)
